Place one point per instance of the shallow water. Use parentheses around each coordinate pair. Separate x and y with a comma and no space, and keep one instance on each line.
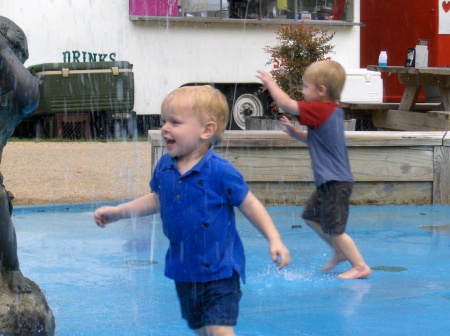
(105,282)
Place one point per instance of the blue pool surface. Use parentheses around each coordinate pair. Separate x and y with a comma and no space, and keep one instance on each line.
(110,281)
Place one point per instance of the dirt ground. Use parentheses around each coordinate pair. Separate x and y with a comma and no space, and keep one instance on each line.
(75,172)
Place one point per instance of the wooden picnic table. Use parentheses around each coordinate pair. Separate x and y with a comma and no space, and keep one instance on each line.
(406,117)
(415,78)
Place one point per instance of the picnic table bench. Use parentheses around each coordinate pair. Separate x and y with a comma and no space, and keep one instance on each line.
(359,110)
(405,116)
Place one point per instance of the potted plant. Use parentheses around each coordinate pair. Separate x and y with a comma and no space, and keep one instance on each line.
(298,46)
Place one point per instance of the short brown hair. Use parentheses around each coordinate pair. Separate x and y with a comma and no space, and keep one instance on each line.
(206,102)
(328,73)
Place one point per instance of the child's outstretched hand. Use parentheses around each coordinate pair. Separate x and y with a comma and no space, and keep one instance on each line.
(290,128)
(279,253)
(265,77)
(107,214)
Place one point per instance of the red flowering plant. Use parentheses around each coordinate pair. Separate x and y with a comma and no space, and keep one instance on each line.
(298,46)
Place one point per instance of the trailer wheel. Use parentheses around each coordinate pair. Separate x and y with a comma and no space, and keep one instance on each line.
(243,104)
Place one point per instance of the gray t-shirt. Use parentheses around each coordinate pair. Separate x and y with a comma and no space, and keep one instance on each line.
(326,141)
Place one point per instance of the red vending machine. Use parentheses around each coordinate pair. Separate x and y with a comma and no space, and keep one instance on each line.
(395,26)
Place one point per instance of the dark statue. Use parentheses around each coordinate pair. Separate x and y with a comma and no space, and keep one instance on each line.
(19,97)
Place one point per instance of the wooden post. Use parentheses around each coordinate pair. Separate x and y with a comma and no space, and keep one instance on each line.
(441,167)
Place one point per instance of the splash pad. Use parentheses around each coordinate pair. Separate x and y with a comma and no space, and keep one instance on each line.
(110,281)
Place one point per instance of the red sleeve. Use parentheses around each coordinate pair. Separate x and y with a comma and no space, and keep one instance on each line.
(314,114)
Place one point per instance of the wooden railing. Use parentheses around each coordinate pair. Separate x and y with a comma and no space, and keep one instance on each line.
(388,167)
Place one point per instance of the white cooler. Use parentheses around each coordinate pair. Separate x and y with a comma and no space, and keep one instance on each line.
(362,86)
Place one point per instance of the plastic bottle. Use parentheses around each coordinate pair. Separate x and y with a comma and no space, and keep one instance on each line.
(382,59)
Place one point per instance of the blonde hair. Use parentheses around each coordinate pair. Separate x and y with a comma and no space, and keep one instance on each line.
(329,74)
(206,102)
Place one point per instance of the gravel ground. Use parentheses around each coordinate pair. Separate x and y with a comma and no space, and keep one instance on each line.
(75,172)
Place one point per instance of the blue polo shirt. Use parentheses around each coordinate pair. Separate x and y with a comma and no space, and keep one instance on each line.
(197,212)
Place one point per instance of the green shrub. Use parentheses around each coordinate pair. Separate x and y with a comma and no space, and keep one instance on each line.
(298,46)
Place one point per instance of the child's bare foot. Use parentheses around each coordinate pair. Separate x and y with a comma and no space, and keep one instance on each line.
(356,273)
(336,259)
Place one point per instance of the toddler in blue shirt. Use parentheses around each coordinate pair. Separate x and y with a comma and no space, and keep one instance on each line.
(195,190)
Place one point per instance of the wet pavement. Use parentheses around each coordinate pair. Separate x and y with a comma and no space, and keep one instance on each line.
(110,281)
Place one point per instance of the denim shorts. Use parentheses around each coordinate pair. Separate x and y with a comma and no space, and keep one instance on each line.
(210,303)
(328,206)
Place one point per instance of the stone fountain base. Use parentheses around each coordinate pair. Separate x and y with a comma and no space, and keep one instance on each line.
(25,313)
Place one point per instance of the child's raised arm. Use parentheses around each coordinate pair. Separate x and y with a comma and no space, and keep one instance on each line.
(255,212)
(142,206)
